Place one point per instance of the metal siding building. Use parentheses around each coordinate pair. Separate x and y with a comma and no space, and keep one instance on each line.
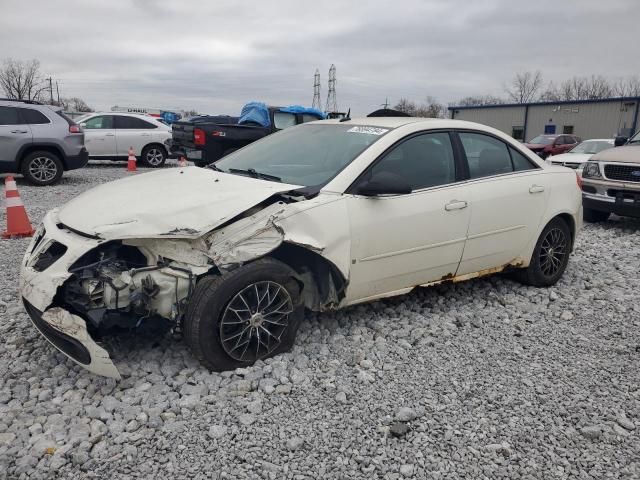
(603,118)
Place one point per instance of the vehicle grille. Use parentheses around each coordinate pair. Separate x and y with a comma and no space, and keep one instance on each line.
(63,342)
(624,173)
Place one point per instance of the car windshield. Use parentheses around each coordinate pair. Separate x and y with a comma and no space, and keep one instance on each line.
(542,140)
(307,155)
(591,147)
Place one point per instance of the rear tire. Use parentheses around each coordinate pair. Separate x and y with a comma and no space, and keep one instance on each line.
(550,256)
(42,168)
(153,156)
(594,216)
(235,319)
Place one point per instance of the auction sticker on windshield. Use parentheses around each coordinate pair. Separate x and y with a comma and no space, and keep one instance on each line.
(368,130)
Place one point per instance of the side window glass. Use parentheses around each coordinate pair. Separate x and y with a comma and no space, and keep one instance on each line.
(283,120)
(520,162)
(33,117)
(309,118)
(98,123)
(132,123)
(423,161)
(486,155)
(9,116)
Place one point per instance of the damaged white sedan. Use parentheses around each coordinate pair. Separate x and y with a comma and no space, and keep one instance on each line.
(319,216)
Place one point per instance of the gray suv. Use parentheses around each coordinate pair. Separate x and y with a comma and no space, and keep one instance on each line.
(39,141)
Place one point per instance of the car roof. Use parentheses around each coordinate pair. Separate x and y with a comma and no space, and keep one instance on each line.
(608,140)
(395,122)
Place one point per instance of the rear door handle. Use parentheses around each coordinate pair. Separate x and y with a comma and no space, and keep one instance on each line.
(109,134)
(455,205)
(19,131)
(536,189)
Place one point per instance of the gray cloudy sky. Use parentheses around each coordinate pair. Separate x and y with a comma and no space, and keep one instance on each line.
(216,55)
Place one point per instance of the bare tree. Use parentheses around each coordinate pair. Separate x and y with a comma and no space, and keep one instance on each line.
(406,106)
(525,87)
(478,100)
(627,87)
(75,104)
(22,80)
(430,108)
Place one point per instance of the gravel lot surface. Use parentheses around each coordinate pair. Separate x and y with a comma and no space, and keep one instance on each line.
(484,379)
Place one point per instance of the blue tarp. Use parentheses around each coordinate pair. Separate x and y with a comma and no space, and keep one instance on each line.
(255,112)
(300,109)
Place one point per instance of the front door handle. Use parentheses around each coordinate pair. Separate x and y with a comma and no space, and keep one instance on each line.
(536,189)
(109,134)
(455,205)
(19,131)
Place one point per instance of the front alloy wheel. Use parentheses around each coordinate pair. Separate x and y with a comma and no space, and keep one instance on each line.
(247,314)
(254,321)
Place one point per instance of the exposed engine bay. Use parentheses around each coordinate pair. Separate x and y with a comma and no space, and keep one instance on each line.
(114,286)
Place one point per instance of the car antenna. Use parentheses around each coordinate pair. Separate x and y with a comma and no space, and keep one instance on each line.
(347,118)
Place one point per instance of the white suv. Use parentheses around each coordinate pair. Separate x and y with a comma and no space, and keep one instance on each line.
(108,136)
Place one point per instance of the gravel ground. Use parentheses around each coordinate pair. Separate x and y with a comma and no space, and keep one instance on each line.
(484,379)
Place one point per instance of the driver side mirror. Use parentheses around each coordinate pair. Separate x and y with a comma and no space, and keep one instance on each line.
(384,183)
(620,140)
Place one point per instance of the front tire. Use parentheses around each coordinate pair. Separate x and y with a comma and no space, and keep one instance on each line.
(42,168)
(550,256)
(153,156)
(248,314)
(594,216)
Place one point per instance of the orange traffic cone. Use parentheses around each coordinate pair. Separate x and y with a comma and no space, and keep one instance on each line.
(183,161)
(131,163)
(18,224)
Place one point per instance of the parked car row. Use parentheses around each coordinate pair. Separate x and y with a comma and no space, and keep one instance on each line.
(41,142)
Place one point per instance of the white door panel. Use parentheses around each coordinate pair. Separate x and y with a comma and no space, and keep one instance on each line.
(505,214)
(405,240)
(100,142)
(132,138)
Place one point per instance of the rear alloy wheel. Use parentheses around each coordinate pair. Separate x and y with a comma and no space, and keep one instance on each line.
(594,216)
(154,156)
(550,256)
(250,313)
(42,168)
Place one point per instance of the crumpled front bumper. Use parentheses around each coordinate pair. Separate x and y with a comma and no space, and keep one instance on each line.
(64,330)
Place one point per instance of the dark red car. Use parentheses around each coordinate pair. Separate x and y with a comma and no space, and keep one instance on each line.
(547,145)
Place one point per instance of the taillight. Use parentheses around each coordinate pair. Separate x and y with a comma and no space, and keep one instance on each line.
(198,136)
(75,129)
(579,180)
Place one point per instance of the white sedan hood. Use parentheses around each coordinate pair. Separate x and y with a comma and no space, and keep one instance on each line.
(174,202)
(571,157)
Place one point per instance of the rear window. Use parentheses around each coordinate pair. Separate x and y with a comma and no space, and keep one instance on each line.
(132,123)
(66,117)
(33,117)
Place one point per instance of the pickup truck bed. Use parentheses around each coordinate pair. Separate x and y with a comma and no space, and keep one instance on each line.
(205,140)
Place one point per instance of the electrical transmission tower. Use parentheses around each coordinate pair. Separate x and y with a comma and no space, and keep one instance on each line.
(317,103)
(332,102)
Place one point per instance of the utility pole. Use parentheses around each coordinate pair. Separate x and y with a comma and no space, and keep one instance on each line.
(51,89)
(58,92)
(385,105)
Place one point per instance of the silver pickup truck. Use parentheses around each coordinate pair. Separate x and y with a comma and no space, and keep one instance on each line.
(611,181)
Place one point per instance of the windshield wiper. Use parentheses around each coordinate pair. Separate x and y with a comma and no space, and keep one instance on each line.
(255,174)
(213,166)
